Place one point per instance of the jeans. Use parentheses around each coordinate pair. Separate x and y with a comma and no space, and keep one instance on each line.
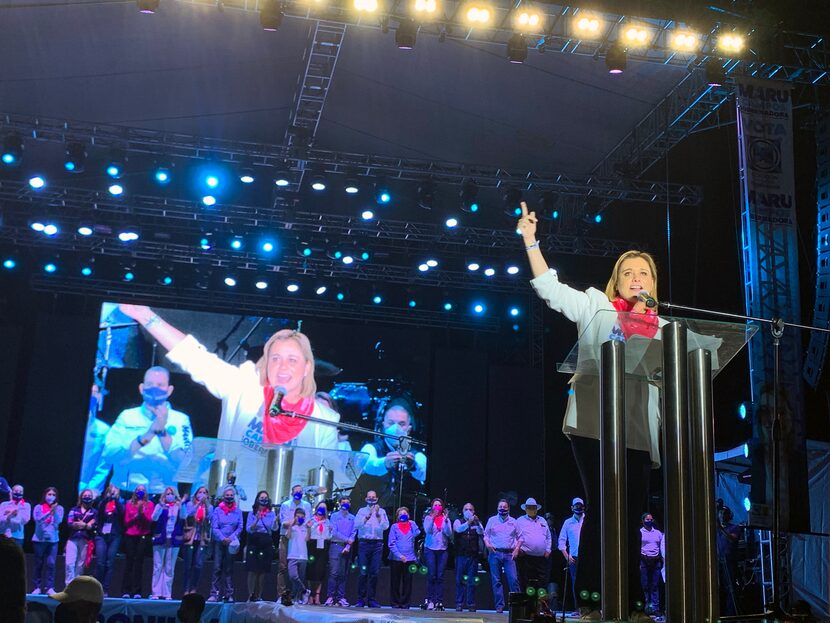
(650,581)
(194,556)
(296,574)
(369,555)
(134,568)
(436,562)
(106,549)
(502,561)
(45,555)
(465,588)
(338,571)
(222,570)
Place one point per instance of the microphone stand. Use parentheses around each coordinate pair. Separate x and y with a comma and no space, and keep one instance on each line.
(774,609)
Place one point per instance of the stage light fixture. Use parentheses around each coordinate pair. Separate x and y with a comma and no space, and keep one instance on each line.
(271,15)
(423,267)
(489,271)
(473,266)
(37,182)
(348,260)
(85,230)
(206,241)
(129,234)
(340,296)
(615,59)
(432,263)
(320,290)
(209,200)
(282,179)
(597,218)
(587,25)
(479,308)
(75,157)
(377,299)
(211,180)
(512,270)
(147,6)
(116,190)
(37,225)
(528,20)
(514,311)
(715,73)
(365,256)
(426,194)
(636,36)
(246,176)
(9,263)
(267,246)
(684,41)
(383,194)
(412,303)
(406,34)
(467,195)
(511,197)
(163,172)
(425,7)
(366,6)
(117,163)
(292,287)
(731,43)
(50,267)
(367,215)
(237,243)
(351,186)
(742,411)
(230,281)
(747,504)
(261,284)
(517,48)
(318,182)
(448,306)
(477,14)
(12,150)
(50,229)
(451,222)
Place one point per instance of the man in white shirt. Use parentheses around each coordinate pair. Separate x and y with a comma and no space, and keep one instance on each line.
(569,543)
(146,444)
(536,545)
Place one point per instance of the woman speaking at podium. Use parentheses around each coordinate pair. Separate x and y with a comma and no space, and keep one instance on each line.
(633,280)
(247,391)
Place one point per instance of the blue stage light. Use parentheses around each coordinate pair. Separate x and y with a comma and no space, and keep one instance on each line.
(598,218)
(9,158)
(747,505)
(75,158)
(237,243)
(116,189)
(365,256)
(377,299)
(86,271)
(163,173)
(340,296)
(514,311)
(211,181)
(114,170)
(413,303)
(129,275)
(166,280)
(742,411)
(447,306)
(205,244)
(9,263)
(37,182)
(267,246)
(12,150)
(50,267)
(746,450)
(473,207)
(384,197)
(306,251)
(479,308)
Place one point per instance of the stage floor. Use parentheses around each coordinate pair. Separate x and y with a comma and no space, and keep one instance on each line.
(124,610)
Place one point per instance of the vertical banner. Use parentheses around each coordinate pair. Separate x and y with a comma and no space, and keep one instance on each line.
(770,256)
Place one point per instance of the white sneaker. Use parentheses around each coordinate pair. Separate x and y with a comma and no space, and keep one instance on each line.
(50,592)
(306,596)
(430,605)
(343,603)
(35,592)
(329,602)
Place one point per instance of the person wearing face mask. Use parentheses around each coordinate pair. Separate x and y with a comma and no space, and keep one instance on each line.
(240,492)
(14,515)
(651,562)
(437,533)
(371,522)
(468,548)
(259,553)
(146,444)
(501,537)
(108,533)
(48,517)
(197,512)
(287,511)
(536,547)
(401,541)
(568,543)
(247,392)
(138,523)
(393,468)
(340,551)
(226,526)
(297,556)
(318,551)
(81,522)
(168,531)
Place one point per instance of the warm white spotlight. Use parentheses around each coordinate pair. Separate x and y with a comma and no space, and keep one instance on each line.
(636,36)
(425,7)
(477,14)
(731,43)
(685,41)
(587,25)
(528,20)
(366,6)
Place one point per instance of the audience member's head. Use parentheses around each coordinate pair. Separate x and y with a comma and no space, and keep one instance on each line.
(12,581)
(193,605)
(81,601)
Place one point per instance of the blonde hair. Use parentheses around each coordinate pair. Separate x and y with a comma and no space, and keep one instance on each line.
(172,490)
(611,287)
(309,386)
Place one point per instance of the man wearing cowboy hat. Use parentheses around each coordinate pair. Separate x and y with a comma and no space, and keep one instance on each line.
(535,549)
(83,596)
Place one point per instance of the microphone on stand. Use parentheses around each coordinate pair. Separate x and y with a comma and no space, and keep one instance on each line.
(646,298)
(275,408)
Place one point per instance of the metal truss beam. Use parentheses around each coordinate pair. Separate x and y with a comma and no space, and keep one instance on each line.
(298,159)
(71,205)
(260,304)
(796,56)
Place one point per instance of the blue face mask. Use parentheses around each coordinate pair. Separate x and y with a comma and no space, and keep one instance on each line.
(300,521)
(371,501)
(297,495)
(50,498)
(345,506)
(503,511)
(139,494)
(321,512)
(154,396)
(404,517)
(170,498)
(468,515)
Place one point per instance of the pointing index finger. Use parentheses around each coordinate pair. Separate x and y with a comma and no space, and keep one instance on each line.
(524,208)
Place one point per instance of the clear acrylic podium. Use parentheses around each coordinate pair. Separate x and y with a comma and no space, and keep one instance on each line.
(272,468)
(680,357)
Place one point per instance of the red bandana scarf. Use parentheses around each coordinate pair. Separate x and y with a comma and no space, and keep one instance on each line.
(200,514)
(283,428)
(439,521)
(635,324)
(45,508)
(404,526)
(227,507)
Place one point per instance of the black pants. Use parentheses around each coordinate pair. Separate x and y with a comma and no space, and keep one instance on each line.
(533,571)
(134,558)
(401,589)
(589,574)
